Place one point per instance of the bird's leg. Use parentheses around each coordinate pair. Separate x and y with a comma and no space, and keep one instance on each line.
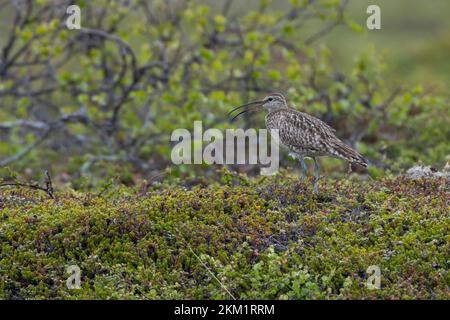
(349,170)
(304,167)
(316,176)
(301,159)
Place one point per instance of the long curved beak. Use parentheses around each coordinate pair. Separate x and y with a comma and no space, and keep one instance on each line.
(249,108)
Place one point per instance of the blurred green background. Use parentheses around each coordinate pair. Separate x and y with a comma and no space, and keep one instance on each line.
(102,101)
(414,36)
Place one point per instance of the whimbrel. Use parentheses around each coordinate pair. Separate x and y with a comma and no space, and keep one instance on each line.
(303,134)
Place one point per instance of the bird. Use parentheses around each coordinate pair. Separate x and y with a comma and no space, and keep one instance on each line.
(302,134)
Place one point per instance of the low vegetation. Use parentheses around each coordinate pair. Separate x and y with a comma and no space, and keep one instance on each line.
(241,238)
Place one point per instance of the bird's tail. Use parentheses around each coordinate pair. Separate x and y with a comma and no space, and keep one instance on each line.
(348,153)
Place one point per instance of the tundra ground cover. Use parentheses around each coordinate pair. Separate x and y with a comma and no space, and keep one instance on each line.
(266,238)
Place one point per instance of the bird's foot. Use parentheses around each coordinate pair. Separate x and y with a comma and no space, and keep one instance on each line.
(316,188)
(303,177)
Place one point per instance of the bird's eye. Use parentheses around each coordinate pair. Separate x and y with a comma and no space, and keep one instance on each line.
(270,99)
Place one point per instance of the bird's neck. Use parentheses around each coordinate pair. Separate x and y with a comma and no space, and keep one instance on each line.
(278,109)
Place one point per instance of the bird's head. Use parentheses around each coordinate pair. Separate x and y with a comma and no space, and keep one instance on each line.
(272,102)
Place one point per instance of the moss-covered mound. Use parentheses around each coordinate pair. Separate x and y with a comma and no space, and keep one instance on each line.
(245,239)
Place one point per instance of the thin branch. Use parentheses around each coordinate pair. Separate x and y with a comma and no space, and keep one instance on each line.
(48,189)
(25,150)
(319,34)
(39,125)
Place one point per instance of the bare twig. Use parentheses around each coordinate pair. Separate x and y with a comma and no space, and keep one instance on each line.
(48,189)
(49,185)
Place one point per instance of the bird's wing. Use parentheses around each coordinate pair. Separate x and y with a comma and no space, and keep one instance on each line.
(318,122)
(298,129)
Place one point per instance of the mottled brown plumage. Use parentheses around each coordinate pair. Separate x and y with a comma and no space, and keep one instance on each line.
(304,135)
(310,137)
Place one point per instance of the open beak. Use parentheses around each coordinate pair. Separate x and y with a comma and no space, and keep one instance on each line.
(251,106)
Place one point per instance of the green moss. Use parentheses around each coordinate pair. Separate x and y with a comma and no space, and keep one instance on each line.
(270,238)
